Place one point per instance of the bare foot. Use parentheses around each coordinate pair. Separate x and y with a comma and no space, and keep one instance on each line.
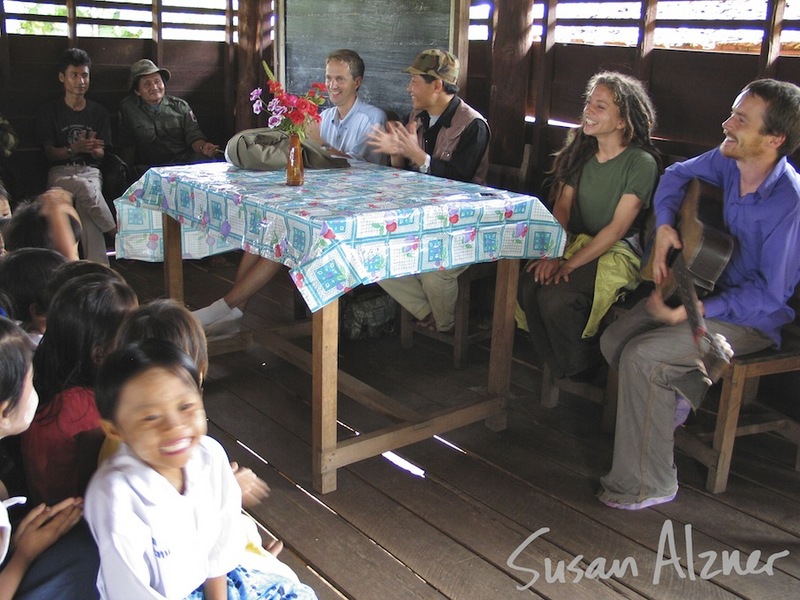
(275,547)
(427,323)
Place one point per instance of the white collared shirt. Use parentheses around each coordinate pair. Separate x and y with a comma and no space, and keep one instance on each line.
(349,135)
(155,542)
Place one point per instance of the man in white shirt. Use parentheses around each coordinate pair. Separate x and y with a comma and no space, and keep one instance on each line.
(345,125)
(342,132)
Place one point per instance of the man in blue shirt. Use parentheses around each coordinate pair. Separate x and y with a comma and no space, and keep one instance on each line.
(345,125)
(660,374)
(343,132)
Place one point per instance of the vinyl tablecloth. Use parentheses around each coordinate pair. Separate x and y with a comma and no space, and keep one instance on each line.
(342,228)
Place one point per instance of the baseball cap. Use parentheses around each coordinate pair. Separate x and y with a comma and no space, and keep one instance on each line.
(436,63)
(145,67)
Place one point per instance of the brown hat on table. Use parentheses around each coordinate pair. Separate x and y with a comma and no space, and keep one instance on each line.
(145,67)
(436,63)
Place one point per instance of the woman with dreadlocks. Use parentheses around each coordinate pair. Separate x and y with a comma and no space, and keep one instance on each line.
(602,180)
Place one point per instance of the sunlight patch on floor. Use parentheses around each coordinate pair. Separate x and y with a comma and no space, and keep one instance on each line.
(449,443)
(401,462)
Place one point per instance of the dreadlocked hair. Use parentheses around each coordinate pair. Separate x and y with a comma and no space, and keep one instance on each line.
(636,111)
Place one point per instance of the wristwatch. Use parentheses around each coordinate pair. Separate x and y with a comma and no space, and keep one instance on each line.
(70,152)
(425,166)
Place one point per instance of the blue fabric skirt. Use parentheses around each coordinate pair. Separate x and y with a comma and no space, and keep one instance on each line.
(249,584)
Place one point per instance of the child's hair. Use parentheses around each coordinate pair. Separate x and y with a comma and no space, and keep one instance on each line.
(130,360)
(76,268)
(84,317)
(15,361)
(24,275)
(27,228)
(171,321)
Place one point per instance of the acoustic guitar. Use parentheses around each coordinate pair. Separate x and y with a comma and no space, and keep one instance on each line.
(706,250)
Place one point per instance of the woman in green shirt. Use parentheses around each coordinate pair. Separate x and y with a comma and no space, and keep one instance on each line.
(603,178)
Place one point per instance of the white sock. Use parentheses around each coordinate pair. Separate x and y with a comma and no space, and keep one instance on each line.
(213,312)
(228,324)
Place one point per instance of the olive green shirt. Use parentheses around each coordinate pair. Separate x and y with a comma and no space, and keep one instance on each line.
(162,135)
(634,171)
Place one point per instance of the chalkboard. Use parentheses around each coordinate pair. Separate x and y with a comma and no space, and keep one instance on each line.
(387,34)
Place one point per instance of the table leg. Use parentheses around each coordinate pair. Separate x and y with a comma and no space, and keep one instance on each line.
(173,257)
(505,301)
(324,392)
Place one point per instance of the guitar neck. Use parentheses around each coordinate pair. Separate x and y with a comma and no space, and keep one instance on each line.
(714,358)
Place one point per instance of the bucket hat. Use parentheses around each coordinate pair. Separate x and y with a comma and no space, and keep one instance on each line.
(145,67)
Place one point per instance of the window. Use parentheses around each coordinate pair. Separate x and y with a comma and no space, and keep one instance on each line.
(790,37)
(598,23)
(480,20)
(180,19)
(732,25)
(708,25)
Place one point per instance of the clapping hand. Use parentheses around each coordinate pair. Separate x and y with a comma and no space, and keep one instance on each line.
(88,143)
(254,489)
(43,526)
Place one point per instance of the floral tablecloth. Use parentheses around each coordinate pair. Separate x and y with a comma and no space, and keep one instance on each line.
(344,227)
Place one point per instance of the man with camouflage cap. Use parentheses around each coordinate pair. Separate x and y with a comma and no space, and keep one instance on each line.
(445,137)
(157,129)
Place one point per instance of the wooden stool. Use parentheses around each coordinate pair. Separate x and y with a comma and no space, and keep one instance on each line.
(739,387)
(460,338)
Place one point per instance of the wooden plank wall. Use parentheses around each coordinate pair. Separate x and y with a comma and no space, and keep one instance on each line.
(198,75)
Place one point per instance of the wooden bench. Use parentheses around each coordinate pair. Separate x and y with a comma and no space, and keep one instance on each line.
(740,413)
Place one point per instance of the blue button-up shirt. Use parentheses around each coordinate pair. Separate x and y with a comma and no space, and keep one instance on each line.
(349,135)
(764,268)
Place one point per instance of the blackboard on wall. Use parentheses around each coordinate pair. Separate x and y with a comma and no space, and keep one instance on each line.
(387,34)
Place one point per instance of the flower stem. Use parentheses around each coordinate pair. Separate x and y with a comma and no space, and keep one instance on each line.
(270,74)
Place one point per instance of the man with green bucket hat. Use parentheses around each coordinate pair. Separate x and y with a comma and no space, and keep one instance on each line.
(157,128)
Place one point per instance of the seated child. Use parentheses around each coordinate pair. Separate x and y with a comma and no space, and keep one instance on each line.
(47,531)
(48,221)
(170,321)
(164,509)
(59,450)
(24,275)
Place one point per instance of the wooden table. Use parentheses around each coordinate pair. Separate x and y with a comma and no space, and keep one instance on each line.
(344,228)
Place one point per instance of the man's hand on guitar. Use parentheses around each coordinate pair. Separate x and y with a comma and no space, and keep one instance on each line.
(663,313)
(667,238)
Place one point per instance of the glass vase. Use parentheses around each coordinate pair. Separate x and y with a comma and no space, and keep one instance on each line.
(294,162)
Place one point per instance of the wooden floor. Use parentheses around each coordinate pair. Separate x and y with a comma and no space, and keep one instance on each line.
(478,515)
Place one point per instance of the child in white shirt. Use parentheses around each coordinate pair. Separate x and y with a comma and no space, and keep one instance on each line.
(164,509)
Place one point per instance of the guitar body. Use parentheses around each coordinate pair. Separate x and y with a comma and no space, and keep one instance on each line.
(706,249)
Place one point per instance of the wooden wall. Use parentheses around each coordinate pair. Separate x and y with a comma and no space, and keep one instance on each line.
(197,69)
(692,90)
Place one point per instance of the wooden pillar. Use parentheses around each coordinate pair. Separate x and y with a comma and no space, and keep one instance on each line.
(644,50)
(459,44)
(72,24)
(543,76)
(253,40)
(511,51)
(771,45)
